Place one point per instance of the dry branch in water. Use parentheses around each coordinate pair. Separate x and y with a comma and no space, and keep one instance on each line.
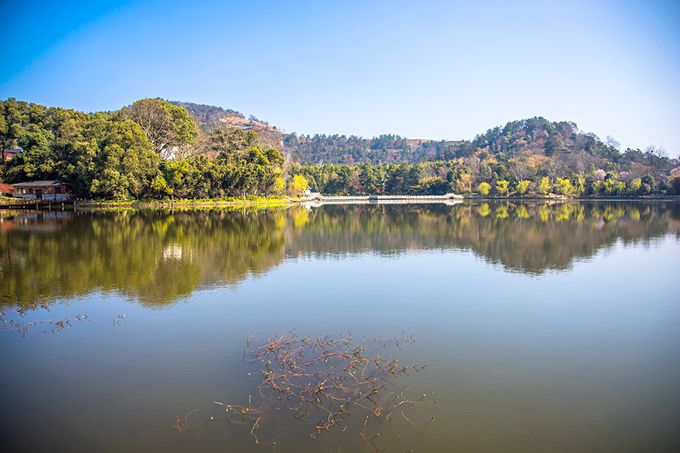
(22,326)
(321,382)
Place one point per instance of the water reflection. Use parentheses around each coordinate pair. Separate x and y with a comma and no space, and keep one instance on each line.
(160,256)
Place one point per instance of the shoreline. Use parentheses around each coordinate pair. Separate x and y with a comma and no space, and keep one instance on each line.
(200,203)
(339,198)
(329,200)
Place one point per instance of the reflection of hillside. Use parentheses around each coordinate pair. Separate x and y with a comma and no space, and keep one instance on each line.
(154,256)
(159,256)
(526,237)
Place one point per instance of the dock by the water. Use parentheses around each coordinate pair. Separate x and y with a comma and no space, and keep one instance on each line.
(318,199)
(36,204)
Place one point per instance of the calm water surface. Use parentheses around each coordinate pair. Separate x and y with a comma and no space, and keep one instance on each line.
(544,327)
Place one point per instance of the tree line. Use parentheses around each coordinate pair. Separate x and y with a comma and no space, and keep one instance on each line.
(462,177)
(150,149)
(156,149)
(526,157)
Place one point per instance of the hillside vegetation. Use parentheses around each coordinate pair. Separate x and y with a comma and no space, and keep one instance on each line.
(156,149)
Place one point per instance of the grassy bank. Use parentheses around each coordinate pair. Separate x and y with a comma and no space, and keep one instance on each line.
(204,202)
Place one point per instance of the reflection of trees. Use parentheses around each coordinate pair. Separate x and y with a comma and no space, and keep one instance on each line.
(159,256)
(526,237)
(153,255)
(534,238)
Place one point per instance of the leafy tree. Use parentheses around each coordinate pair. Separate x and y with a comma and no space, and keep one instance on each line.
(563,186)
(484,188)
(226,139)
(167,125)
(298,185)
(126,165)
(523,187)
(613,187)
(648,183)
(597,187)
(159,187)
(635,186)
(580,186)
(544,186)
(464,184)
(502,187)
(279,185)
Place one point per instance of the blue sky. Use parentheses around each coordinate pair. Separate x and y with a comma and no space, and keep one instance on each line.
(423,69)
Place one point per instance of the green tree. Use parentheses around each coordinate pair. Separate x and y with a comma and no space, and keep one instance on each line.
(648,183)
(298,185)
(502,187)
(614,187)
(544,186)
(167,126)
(229,142)
(159,187)
(580,186)
(279,185)
(523,187)
(597,187)
(635,186)
(563,186)
(126,165)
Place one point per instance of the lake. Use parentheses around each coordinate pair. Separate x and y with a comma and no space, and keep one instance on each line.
(477,327)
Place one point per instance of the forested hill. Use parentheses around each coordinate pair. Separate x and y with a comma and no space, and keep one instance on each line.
(528,142)
(210,118)
(328,149)
(384,149)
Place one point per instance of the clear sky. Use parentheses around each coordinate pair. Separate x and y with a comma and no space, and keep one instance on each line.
(423,69)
